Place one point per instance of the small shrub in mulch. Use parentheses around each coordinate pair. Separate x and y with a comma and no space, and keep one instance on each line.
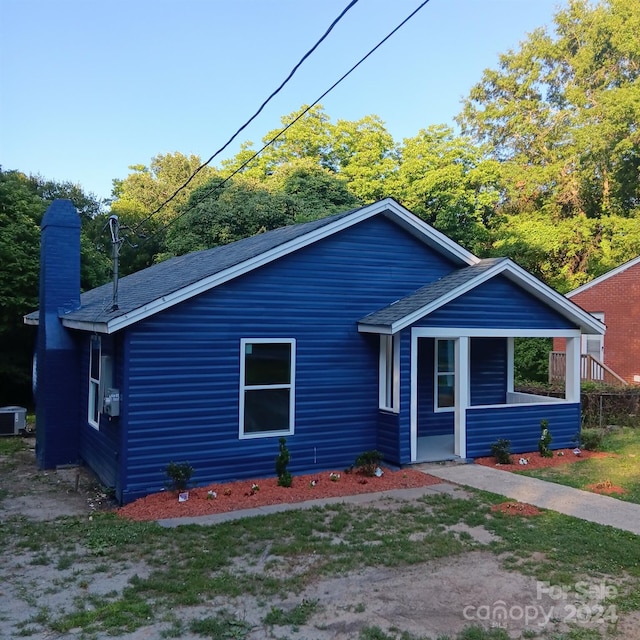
(535,461)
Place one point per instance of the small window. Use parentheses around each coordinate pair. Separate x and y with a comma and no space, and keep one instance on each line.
(94,382)
(389,373)
(445,377)
(267,374)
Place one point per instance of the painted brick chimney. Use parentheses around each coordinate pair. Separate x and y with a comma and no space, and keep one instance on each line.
(57,350)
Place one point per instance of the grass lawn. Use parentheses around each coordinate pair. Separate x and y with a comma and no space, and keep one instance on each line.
(621,470)
(271,576)
(190,566)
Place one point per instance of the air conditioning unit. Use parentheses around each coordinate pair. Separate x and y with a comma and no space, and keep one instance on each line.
(13,420)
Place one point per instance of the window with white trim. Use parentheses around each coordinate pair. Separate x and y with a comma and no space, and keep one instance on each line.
(94,381)
(389,377)
(445,376)
(267,387)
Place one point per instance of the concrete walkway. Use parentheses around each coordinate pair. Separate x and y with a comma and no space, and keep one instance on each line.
(546,495)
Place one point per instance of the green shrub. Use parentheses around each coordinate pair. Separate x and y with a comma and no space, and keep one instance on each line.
(367,462)
(545,440)
(282,460)
(590,439)
(179,474)
(501,451)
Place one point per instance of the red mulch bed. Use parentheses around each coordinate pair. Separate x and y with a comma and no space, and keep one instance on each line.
(516,509)
(536,461)
(240,495)
(605,488)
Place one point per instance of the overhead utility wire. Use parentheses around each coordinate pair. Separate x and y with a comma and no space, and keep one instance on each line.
(252,118)
(304,112)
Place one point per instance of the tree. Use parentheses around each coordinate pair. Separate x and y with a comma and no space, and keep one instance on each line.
(20,213)
(315,192)
(365,154)
(561,114)
(361,152)
(23,201)
(445,180)
(217,215)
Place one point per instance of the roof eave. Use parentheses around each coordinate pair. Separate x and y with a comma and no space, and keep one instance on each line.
(93,327)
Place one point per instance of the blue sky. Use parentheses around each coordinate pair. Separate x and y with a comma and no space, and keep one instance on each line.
(89,87)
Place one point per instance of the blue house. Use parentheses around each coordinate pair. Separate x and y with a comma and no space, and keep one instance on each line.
(363,330)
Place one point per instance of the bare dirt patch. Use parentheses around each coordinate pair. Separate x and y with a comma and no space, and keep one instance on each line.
(248,494)
(41,495)
(513,508)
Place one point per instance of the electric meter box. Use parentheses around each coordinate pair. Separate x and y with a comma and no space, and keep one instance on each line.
(112,403)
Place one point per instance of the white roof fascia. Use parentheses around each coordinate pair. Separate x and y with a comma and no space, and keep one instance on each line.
(84,325)
(604,276)
(384,330)
(34,322)
(407,220)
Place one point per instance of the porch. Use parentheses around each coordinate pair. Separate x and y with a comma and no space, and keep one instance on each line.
(463,396)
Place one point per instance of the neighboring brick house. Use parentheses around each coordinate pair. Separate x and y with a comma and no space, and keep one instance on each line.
(613,298)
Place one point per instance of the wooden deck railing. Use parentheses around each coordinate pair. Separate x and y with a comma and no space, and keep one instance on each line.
(591,369)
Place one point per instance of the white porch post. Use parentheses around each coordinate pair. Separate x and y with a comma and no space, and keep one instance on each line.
(510,364)
(572,374)
(461,396)
(413,424)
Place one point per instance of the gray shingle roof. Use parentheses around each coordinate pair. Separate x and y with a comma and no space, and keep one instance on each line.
(152,283)
(428,294)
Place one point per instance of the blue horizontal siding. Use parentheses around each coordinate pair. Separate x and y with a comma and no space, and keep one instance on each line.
(488,370)
(388,442)
(498,303)
(184,363)
(521,425)
(100,448)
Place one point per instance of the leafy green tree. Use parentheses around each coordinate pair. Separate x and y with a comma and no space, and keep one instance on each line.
(445,180)
(560,115)
(316,192)
(365,154)
(23,201)
(145,189)
(20,213)
(217,215)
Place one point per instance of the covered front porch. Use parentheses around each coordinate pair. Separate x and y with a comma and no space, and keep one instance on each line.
(447,365)
(463,397)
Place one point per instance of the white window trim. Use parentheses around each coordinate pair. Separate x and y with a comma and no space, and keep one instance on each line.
(437,373)
(389,374)
(291,386)
(94,397)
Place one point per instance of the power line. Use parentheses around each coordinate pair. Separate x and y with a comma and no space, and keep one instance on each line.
(300,115)
(253,117)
